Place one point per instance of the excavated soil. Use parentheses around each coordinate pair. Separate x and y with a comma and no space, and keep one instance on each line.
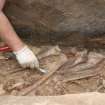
(68,78)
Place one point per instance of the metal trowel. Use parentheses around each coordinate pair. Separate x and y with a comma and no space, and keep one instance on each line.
(44,71)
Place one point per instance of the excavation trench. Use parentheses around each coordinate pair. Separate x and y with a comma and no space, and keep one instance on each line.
(69,70)
(69,42)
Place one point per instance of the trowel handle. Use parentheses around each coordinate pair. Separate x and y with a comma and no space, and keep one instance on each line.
(5,49)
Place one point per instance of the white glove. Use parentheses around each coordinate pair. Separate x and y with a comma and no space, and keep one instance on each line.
(26,58)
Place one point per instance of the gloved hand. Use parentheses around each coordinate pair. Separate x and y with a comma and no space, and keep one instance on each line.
(26,58)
